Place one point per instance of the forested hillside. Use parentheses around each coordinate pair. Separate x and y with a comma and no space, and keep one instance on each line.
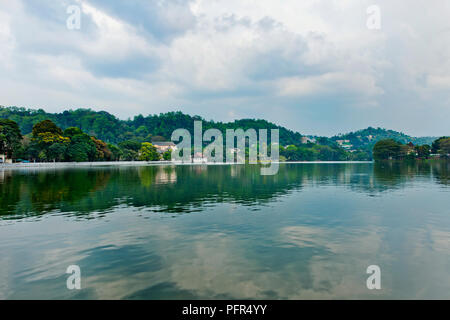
(108,128)
(365,139)
(132,133)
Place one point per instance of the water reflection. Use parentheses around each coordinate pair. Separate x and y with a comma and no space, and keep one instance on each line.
(316,229)
(178,189)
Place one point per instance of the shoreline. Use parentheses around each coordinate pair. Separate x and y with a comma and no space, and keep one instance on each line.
(54,165)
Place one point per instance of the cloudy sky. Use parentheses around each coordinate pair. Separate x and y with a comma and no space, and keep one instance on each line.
(313,66)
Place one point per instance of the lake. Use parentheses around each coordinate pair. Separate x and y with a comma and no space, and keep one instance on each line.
(226,232)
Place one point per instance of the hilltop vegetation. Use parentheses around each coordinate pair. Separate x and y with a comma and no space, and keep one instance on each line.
(124,139)
(365,139)
(389,149)
(108,128)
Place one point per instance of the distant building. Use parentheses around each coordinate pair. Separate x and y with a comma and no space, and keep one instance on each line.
(342,142)
(308,139)
(347,147)
(162,147)
(345,144)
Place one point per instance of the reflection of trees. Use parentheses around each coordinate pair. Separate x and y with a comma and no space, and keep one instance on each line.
(44,191)
(394,174)
(190,188)
(441,172)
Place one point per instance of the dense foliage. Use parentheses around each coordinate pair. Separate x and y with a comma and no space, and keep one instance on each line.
(364,140)
(110,129)
(313,152)
(87,135)
(10,137)
(389,149)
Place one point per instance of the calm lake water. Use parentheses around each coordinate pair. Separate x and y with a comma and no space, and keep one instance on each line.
(219,232)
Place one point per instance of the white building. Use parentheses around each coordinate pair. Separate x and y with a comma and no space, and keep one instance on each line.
(162,147)
(308,139)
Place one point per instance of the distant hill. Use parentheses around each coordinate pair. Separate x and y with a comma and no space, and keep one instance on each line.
(365,139)
(109,128)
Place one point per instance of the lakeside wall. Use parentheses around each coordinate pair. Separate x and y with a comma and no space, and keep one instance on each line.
(77,164)
(50,165)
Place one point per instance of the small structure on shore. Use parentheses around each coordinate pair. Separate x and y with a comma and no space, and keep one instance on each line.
(163,146)
(4,159)
(199,158)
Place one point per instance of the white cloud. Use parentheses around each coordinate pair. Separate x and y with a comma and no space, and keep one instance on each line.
(330,82)
(233,55)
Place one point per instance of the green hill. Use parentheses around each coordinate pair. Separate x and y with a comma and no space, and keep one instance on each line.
(107,127)
(365,139)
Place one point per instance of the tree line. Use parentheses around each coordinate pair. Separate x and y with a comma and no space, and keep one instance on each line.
(110,129)
(390,149)
(49,143)
(320,152)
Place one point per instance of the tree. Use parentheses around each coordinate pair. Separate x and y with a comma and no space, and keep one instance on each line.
(129,155)
(386,149)
(81,149)
(167,155)
(10,137)
(423,151)
(306,154)
(48,138)
(435,147)
(130,149)
(46,126)
(116,152)
(51,146)
(444,147)
(291,153)
(130,145)
(103,152)
(56,152)
(72,131)
(326,153)
(49,142)
(148,152)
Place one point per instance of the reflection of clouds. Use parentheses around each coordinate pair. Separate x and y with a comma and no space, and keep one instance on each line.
(424,263)
(5,272)
(119,263)
(303,236)
(441,240)
(126,254)
(216,266)
(337,267)
(132,253)
(333,239)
